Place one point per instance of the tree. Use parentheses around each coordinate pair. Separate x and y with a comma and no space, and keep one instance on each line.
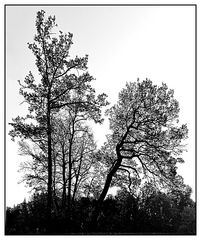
(59,86)
(66,127)
(146,138)
(74,146)
(83,161)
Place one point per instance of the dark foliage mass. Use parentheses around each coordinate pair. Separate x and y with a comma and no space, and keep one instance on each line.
(157,213)
(71,177)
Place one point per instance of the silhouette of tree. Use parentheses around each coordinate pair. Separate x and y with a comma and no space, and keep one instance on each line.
(146,139)
(71,177)
(60,85)
(74,146)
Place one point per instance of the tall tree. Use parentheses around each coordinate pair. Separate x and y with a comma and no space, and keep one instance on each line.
(74,145)
(58,84)
(34,168)
(146,138)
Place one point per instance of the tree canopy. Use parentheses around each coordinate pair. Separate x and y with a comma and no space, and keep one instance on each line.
(146,141)
(71,176)
(63,82)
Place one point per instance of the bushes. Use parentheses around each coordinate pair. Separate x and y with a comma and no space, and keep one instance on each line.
(157,213)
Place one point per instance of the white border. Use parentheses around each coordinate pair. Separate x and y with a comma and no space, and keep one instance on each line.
(2,3)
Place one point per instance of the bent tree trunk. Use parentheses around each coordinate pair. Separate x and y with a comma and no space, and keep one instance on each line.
(95,213)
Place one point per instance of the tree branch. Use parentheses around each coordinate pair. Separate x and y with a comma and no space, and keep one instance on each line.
(125,166)
(129,177)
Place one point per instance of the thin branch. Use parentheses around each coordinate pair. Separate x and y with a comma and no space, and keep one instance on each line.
(67,104)
(125,166)
(73,66)
(129,177)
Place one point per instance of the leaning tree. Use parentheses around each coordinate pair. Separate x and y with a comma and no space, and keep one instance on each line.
(61,78)
(146,139)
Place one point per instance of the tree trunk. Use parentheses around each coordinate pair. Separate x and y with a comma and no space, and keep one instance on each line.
(69,185)
(69,178)
(70,170)
(54,196)
(64,179)
(95,214)
(76,180)
(49,197)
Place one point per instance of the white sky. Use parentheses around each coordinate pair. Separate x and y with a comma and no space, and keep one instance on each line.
(123,44)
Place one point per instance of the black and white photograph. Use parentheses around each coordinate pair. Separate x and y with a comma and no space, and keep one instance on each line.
(100,119)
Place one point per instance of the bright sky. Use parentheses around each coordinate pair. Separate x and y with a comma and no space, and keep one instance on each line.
(123,44)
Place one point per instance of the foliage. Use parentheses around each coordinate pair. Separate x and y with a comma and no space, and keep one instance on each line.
(63,83)
(145,130)
(120,214)
(146,141)
(71,177)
